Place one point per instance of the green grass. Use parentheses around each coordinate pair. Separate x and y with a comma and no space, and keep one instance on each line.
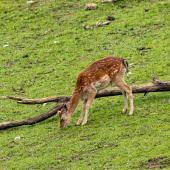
(44,47)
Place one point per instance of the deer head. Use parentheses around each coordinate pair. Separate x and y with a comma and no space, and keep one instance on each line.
(64,117)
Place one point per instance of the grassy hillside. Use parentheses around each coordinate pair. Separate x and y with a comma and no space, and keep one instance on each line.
(42,49)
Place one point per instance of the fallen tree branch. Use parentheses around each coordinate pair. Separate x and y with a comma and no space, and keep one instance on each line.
(156,86)
(33,120)
(57,99)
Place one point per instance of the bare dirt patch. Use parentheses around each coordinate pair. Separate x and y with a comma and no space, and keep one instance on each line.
(159,162)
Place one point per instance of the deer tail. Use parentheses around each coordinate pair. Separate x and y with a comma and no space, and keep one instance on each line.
(125,63)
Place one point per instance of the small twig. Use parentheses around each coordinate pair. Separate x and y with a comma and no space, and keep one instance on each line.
(145,93)
(11,97)
(98,24)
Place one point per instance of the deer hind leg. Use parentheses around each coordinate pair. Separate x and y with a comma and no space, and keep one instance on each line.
(125,99)
(124,87)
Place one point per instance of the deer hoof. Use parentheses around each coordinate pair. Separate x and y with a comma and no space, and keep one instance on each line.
(84,123)
(130,113)
(124,110)
(79,122)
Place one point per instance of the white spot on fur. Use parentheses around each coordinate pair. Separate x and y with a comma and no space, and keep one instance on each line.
(115,71)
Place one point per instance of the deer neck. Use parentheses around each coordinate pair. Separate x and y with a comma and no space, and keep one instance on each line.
(73,102)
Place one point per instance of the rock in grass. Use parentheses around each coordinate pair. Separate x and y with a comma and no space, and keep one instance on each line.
(31,2)
(101,24)
(98,24)
(110,18)
(17,138)
(25,56)
(6,45)
(108,1)
(90,6)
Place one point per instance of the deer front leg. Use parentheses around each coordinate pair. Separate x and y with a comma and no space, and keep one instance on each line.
(87,106)
(85,117)
(80,120)
(90,93)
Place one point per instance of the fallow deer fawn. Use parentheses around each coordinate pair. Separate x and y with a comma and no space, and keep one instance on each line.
(97,76)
